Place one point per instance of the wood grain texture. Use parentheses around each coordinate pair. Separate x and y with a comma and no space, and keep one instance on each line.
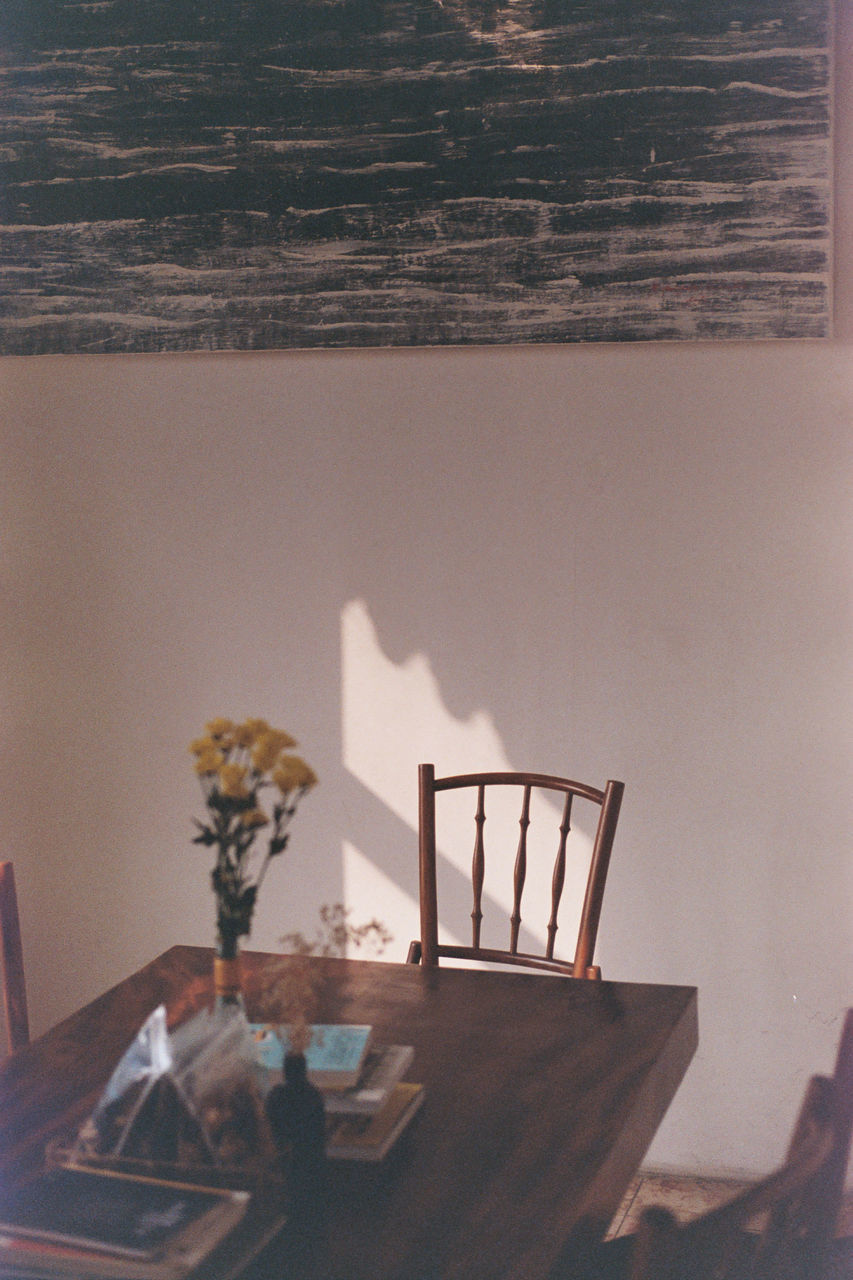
(238,174)
(542,1095)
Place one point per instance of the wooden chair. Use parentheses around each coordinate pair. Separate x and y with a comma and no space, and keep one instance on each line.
(14,988)
(801,1201)
(428,949)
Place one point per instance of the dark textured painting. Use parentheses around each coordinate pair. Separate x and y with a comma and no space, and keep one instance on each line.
(182,175)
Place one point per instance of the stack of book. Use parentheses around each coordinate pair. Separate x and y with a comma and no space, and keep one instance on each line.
(368,1104)
(95,1224)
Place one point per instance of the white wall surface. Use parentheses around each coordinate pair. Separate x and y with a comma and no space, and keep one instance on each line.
(615,561)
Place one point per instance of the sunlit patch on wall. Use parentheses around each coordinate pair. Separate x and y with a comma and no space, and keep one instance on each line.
(394,717)
(371,895)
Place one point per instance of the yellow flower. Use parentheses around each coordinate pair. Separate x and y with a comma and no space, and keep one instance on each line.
(200,746)
(254,818)
(232,781)
(293,773)
(245,734)
(268,746)
(209,761)
(219,728)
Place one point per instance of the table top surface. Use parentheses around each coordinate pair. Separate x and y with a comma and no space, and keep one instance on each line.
(542,1094)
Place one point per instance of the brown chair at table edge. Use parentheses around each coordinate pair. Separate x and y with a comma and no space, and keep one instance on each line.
(14,987)
(803,1197)
(427,949)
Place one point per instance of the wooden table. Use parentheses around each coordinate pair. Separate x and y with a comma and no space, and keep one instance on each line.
(542,1096)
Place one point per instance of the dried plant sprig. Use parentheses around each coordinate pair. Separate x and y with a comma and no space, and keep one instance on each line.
(293,985)
(235,764)
(335,934)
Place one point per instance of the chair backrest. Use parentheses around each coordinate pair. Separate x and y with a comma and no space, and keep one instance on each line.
(427,949)
(801,1200)
(14,987)
(810,1219)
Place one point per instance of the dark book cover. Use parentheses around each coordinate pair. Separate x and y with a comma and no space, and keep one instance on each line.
(126,1216)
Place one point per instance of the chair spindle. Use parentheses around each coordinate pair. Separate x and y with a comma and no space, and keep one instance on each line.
(520,872)
(559,877)
(478,867)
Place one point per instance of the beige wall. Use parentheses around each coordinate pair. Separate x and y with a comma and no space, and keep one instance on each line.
(628,561)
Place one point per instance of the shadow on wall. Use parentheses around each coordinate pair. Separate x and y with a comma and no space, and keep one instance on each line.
(393,718)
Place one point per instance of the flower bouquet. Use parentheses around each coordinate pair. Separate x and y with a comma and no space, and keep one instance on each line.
(237,764)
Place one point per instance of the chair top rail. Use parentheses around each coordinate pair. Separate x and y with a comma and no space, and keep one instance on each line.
(547,780)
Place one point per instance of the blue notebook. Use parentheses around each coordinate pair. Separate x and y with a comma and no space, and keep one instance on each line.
(334,1058)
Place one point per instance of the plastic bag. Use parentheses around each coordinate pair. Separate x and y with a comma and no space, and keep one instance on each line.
(217,1070)
(189,1098)
(148,1059)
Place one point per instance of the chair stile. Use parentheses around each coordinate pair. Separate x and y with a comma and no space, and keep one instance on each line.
(14,986)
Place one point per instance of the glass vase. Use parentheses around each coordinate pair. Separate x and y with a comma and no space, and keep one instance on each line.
(227,973)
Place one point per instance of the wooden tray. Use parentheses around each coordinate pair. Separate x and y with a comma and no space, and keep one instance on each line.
(260,1177)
